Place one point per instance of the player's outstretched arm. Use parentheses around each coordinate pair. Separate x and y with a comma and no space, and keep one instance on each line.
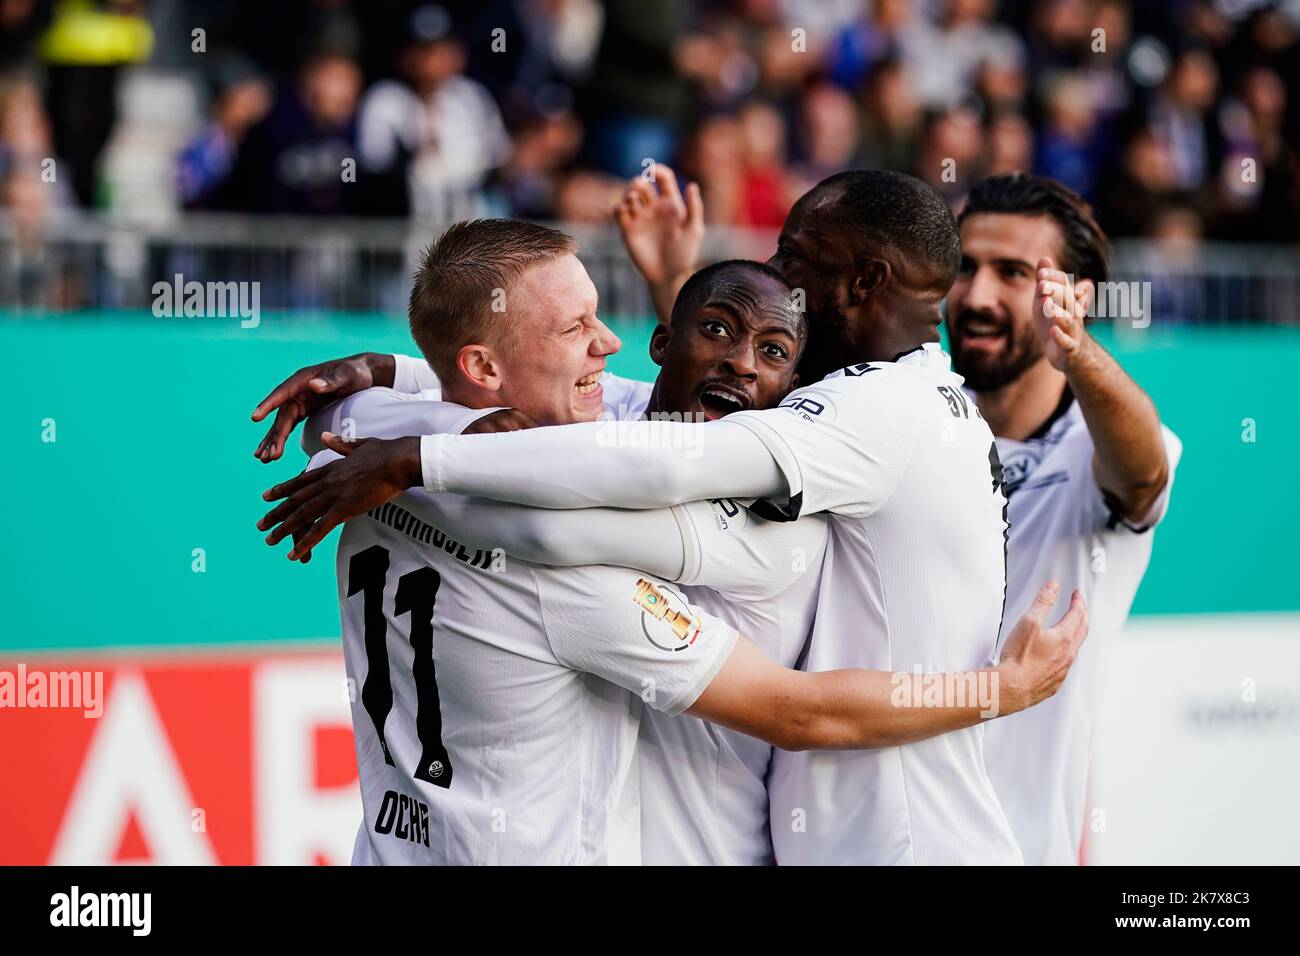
(600,464)
(857,709)
(643,464)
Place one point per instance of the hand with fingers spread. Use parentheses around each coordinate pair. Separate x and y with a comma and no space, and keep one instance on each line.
(312,388)
(1036,659)
(663,232)
(1060,311)
(372,471)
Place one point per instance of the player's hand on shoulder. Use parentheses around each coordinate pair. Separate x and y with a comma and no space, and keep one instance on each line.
(502,420)
(372,471)
(312,388)
(662,229)
(1036,659)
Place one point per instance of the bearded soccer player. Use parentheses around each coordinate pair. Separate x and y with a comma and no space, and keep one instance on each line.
(1088,469)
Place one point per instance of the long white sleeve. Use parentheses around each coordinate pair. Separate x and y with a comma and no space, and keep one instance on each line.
(413,374)
(646,464)
(387,413)
(653,541)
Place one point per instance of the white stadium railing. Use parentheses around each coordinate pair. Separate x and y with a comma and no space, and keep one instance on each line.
(76,261)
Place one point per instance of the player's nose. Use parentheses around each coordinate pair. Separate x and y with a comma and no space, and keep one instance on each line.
(742,360)
(604,341)
(982,291)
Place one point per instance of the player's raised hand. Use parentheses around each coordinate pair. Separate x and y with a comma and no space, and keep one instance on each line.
(372,471)
(312,388)
(1060,311)
(1036,659)
(663,230)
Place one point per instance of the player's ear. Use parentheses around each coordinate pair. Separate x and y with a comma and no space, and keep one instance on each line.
(479,366)
(659,341)
(870,279)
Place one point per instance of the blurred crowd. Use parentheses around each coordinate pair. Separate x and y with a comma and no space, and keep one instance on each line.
(1175,118)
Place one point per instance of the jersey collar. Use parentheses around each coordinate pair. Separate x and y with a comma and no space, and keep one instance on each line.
(928,355)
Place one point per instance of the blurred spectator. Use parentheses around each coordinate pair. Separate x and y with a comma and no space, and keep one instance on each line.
(543,145)
(21,21)
(891,119)
(1256,187)
(635,99)
(241,99)
(766,192)
(1069,148)
(828,134)
(952,153)
(1144,183)
(85,49)
(586,196)
(1180,117)
(944,58)
(1010,144)
(31,191)
(865,42)
(714,158)
(429,141)
(543,43)
(294,160)
(1060,35)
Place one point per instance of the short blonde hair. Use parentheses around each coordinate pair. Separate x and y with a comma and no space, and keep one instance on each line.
(461,276)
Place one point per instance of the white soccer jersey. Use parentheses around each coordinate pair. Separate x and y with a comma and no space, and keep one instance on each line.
(1062,529)
(703,787)
(703,791)
(914,580)
(496,702)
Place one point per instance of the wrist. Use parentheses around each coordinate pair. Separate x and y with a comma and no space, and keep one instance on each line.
(407,468)
(1083,358)
(383,368)
(1011,697)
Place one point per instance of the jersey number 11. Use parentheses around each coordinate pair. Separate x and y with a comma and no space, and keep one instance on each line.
(417,592)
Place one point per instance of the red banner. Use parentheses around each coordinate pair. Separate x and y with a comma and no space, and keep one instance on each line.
(237,758)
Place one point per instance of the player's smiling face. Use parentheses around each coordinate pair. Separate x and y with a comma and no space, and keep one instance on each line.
(736,349)
(551,371)
(990,306)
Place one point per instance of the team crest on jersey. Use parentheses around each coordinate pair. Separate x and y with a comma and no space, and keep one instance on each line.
(1019,465)
(666,618)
